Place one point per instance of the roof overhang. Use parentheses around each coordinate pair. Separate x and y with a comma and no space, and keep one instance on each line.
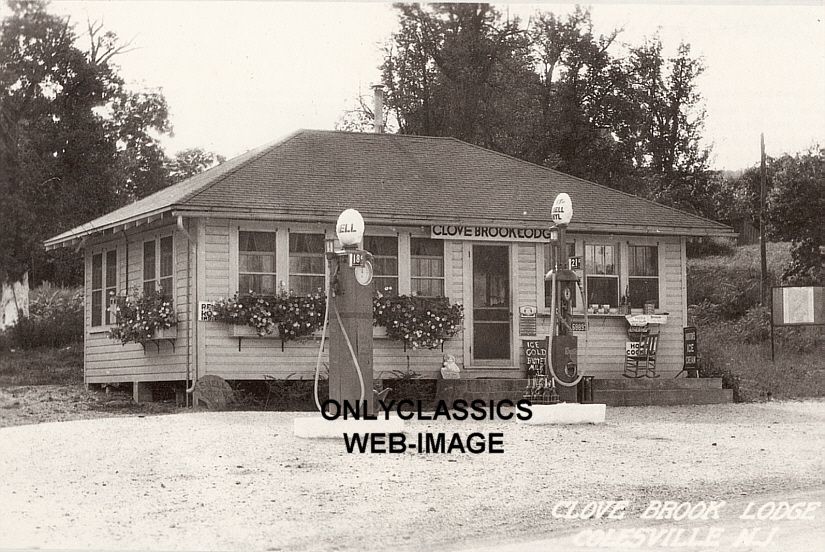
(326,216)
(77,236)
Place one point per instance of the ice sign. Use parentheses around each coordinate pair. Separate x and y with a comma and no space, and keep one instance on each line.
(350,228)
(562,211)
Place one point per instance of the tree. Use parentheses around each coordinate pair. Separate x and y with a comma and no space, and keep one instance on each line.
(75,143)
(450,69)
(556,94)
(668,126)
(189,162)
(795,206)
(583,98)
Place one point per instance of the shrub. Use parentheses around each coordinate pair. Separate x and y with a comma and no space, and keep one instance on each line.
(755,326)
(55,320)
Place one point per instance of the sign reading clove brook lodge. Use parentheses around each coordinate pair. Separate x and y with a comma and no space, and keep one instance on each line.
(451,231)
(444,218)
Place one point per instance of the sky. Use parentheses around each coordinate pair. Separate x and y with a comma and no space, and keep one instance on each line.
(240,74)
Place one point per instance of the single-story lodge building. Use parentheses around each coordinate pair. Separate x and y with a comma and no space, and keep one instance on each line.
(443,217)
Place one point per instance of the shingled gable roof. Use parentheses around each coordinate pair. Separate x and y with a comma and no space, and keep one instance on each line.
(399,179)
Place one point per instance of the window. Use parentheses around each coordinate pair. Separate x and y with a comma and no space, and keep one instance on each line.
(306,263)
(427,267)
(643,277)
(602,275)
(104,287)
(385,262)
(550,261)
(256,263)
(158,268)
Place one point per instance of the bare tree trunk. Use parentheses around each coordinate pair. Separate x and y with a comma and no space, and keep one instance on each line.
(14,301)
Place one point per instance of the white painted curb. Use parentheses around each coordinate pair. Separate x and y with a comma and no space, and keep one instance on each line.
(567,413)
(316,427)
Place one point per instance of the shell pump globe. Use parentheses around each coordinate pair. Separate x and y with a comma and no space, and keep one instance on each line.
(562,211)
(350,228)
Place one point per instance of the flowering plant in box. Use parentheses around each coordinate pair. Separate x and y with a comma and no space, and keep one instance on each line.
(420,322)
(292,315)
(300,315)
(138,316)
(246,310)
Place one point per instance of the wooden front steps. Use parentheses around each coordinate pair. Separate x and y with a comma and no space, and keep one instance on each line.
(612,392)
(660,391)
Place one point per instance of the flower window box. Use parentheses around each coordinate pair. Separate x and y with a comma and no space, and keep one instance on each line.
(144,318)
(244,330)
(166,333)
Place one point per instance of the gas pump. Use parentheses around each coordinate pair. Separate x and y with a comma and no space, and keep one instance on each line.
(349,312)
(562,346)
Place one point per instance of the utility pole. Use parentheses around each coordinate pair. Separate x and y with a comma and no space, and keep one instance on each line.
(763,268)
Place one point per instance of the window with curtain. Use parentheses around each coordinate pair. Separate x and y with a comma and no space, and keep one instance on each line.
(427,267)
(158,266)
(110,283)
(601,267)
(256,263)
(385,262)
(166,266)
(306,263)
(643,277)
(104,287)
(149,268)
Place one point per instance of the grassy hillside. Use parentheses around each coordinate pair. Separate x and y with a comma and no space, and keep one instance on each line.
(735,331)
(732,281)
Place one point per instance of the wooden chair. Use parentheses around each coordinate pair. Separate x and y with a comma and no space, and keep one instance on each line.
(643,364)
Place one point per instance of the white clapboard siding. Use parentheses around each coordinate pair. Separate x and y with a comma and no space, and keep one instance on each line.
(601,348)
(107,360)
(263,356)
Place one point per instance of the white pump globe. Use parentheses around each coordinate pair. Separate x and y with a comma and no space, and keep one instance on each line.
(562,211)
(350,228)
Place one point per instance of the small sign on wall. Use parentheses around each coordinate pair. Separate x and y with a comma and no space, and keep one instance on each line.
(527,320)
(632,348)
(575,263)
(535,354)
(205,311)
(578,327)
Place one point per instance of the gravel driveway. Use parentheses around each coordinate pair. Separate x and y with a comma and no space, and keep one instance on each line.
(240,480)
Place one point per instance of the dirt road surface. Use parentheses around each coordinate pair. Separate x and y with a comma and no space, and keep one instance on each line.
(241,480)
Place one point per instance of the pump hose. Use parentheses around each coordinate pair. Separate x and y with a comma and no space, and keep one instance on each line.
(321,352)
(552,323)
(321,347)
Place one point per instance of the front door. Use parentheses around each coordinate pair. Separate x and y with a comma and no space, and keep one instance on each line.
(491,302)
